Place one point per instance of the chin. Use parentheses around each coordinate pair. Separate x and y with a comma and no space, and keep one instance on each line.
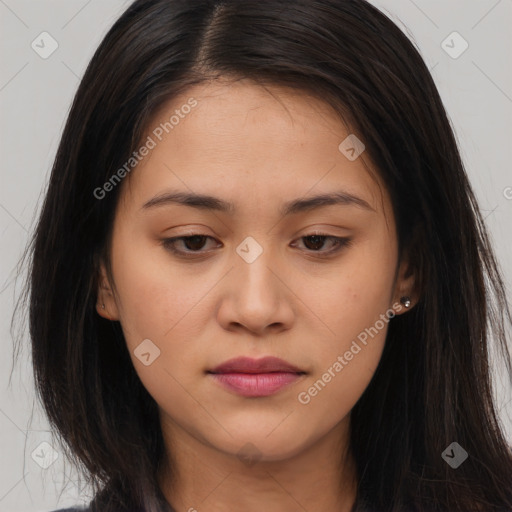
(257,446)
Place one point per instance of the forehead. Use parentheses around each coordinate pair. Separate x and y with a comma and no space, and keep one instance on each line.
(242,139)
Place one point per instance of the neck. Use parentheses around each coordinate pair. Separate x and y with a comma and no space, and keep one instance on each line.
(319,478)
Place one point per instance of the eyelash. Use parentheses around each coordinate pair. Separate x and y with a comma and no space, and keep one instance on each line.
(169,244)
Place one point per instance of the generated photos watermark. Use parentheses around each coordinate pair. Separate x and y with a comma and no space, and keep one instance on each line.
(151,142)
(304,397)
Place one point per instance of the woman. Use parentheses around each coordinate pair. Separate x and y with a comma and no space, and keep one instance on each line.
(260,279)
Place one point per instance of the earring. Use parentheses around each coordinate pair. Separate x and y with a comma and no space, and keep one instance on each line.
(103,306)
(406,301)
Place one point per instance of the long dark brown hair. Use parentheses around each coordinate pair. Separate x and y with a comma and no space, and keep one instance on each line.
(433,384)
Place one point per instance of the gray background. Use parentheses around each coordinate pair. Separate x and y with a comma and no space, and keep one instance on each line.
(35,96)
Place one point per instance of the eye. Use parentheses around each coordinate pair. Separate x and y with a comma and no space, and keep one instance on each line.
(316,241)
(193,244)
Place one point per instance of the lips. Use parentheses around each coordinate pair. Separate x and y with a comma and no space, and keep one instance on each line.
(255,377)
(248,365)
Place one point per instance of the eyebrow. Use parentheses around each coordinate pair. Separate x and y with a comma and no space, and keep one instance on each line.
(211,203)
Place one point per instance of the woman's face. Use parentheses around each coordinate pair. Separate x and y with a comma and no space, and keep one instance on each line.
(255,282)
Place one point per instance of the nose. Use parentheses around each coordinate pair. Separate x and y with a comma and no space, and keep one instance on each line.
(257,297)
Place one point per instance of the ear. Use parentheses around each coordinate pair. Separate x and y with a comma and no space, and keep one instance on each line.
(405,287)
(106,304)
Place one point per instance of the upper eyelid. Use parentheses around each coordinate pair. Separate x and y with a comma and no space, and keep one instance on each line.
(339,239)
(317,233)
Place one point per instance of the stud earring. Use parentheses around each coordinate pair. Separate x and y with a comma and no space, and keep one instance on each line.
(406,301)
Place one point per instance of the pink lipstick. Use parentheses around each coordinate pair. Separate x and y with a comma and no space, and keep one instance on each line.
(256,377)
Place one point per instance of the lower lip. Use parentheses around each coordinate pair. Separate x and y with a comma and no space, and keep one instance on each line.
(256,384)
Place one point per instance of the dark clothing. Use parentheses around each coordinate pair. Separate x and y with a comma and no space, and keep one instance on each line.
(73,510)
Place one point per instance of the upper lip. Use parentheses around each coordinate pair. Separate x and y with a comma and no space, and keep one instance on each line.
(249,365)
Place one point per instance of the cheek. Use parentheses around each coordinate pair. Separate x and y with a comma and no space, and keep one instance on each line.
(164,304)
(156,298)
(352,293)
(330,395)
(354,306)
(345,361)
